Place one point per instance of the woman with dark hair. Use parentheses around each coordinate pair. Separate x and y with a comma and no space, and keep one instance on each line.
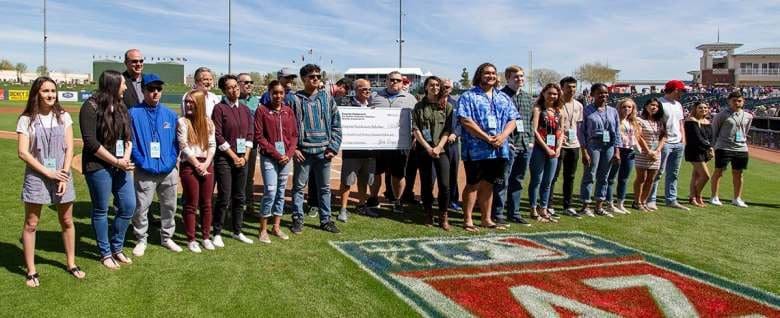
(234,131)
(431,127)
(195,134)
(105,161)
(546,126)
(45,135)
(698,150)
(651,142)
(276,136)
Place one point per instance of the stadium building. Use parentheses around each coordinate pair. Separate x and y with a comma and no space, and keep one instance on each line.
(170,72)
(721,66)
(377,76)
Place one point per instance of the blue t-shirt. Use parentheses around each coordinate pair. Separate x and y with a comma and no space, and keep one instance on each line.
(477,106)
(595,124)
(154,124)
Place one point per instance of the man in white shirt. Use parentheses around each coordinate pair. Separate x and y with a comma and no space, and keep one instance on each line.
(672,154)
(204,79)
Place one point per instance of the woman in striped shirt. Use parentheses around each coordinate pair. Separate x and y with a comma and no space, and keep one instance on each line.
(649,159)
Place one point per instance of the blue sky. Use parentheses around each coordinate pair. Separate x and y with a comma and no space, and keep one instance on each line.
(644,39)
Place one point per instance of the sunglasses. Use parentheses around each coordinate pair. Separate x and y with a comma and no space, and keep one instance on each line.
(247,82)
(314,76)
(447,87)
(395,80)
(141,61)
(365,89)
(189,101)
(154,88)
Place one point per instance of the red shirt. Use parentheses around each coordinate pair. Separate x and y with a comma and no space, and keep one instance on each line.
(272,126)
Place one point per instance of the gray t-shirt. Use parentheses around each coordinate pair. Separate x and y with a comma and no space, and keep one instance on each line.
(400,100)
(571,117)
(730,130)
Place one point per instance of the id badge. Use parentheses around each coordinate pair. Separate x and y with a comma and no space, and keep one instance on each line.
(50,163)
(120,148)
(653,145)
(571,134)
(551,140)
(740,137)
(241,146)
(605,136)
(520,127)
(427,135)
(492,122)
(280,147)
(155,150)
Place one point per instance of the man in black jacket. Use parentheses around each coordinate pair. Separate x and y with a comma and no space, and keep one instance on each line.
(134,62)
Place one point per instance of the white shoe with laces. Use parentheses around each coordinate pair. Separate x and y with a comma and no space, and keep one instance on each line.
(715,201)
(207,244)
(218,241)
(194,246)
(241,237)
(139,249)
(739,203)
(171,245)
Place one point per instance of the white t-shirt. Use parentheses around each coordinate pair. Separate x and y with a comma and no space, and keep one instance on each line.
(673,114)
(47,121)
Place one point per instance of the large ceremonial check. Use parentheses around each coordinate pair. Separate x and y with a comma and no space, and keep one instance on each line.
(375,128)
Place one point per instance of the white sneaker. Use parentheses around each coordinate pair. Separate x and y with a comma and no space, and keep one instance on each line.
(139,249)
(652,205)
(739,203)
(171,245)
(218,241)
(194,246)
(242,238)
(623,208)
(614,209)
(207,244)
(715,201)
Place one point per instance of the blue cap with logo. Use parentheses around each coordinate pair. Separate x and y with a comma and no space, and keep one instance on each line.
(151,78)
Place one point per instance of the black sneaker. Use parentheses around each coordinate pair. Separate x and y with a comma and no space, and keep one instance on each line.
(368,211)
(329,227)
(398,207)
(372,202)
(297,226)
(520,221)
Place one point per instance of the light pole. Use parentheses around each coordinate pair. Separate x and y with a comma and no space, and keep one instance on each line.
(230,43)
(400,33)
(45,40)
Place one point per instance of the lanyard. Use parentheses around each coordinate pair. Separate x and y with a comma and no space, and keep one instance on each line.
(740,125)
(569,114)
(47,135)
(153,121)
(604,117)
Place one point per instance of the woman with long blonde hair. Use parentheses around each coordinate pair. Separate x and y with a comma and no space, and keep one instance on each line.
(622,165)
(195,134)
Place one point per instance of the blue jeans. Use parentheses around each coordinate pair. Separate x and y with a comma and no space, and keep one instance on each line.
(542,171)
(101,184)
(621,171)
(274,180)
(320,168)
(671,157)
(598,172)
(516,165)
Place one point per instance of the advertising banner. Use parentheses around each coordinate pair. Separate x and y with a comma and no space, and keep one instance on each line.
(2,93)
(68,96)
(17,95)
(84,95)
(375,128)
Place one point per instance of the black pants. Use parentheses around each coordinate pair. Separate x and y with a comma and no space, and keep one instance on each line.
(442,167)
(412,166)
(453,152)
(568,163)
(311,190)
(250,179)
(231,184)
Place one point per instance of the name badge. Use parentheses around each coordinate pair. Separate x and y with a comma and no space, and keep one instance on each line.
(520,127)
(120,148)
(653,145)
(551,140)
(155,150)
(50,163)
(740,137)
(605,136)
(240,145)
(571,134)
(492,122)
(427,135)
(280,147)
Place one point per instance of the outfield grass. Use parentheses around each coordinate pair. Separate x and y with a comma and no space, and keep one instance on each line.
(306,277)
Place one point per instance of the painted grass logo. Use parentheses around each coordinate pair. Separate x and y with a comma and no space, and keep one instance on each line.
(549,275)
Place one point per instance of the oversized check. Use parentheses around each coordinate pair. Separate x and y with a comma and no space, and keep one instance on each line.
(375,128)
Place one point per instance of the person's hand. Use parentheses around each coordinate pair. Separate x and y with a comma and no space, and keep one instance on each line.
(58,175)
(284,160)
(299,156)
(616,157)
(452,138)
(585,159)
(61,187)
(329,154)
(239,161)
(431,152)
(557,153)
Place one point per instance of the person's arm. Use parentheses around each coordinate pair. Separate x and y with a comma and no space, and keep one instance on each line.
(682,130)
(616,131)
(335,128)
(184,143)
(715,127)
(263,145)
(293,132)
(250,131)
(473,129)
(539,139)
(212,145)
(23,149)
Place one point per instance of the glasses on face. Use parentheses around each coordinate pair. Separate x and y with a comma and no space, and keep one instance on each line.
(314,76)
(364,89)
(395,80)
(247,82)
(140,61)
(447,87)
(189,101)
(154,88)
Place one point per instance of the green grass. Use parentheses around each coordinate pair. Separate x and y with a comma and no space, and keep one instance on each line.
(306,277)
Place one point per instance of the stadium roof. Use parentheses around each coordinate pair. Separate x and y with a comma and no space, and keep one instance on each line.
(762,51)
(384,70)
(718,46)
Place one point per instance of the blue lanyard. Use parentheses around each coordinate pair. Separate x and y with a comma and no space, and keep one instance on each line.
(153,122)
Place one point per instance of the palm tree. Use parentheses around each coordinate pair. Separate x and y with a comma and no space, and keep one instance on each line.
(20,68)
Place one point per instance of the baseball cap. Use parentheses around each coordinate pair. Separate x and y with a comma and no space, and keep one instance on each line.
(152,78)
(674,85)
(285,72)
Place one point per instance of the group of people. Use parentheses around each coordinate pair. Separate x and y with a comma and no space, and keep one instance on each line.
(136,147)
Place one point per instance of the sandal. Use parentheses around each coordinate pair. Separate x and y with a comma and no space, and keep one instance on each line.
(109,262)
(470,228)
(77,272)
(122,258)
(494,226)
(32,280)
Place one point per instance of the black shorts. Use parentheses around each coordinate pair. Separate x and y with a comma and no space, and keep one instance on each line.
(392,160)
(490,170)
(738,159)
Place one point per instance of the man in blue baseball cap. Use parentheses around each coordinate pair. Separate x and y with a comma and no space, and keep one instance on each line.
(154,154)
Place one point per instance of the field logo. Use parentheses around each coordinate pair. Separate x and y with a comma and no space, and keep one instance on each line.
(554,274)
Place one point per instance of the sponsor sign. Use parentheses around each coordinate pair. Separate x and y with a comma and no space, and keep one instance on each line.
(17,95)
(375,128)
(68,96)
(2,93)
(555,274)
(84,95)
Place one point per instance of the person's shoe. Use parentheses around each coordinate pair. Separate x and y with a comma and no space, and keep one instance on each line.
(715,201)
(519,220)
(455,206)
(329,227)
(194,246)
(677,205)
(372,202)
(139,249)
(502,223)
(280,235)
(368,211)
(313,212)
(218,241)
(263,238)
(171,245)
(587,212)
(572,213)
(622,207)
(241,237)
(297,226)
(398,207)
(552,214)
(122,258)
(602,212)
(389,196)
(739,203)
(612,208)
(651,205)
(410,201)
(343,216)
(208,245)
